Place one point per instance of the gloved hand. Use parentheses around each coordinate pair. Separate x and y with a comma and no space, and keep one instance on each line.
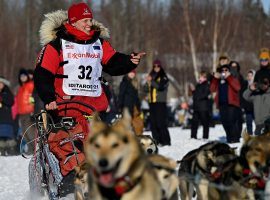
(31,100)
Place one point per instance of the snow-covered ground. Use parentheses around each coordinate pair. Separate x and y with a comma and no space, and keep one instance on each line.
(14,169)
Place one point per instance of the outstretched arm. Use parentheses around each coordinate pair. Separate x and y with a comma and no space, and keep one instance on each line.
(116,63)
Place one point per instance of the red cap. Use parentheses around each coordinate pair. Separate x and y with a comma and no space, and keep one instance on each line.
(79,11)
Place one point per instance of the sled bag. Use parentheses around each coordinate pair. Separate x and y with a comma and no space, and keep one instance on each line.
(67,146)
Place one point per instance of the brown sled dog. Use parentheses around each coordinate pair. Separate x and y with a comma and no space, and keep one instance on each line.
(120,169)
(81,181)
(256,151)
(165,170)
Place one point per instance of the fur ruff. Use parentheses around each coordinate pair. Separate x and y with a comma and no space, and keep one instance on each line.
(55,19)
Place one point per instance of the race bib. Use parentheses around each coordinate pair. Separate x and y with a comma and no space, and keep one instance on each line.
(83,69)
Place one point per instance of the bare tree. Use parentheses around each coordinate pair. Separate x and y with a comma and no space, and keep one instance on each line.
(191,39)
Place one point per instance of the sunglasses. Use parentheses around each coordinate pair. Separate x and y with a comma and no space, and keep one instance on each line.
(224,70)
(155,65)
(264,60)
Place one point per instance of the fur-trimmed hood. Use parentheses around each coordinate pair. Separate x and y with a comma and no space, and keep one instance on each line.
(5,81)
(54,20)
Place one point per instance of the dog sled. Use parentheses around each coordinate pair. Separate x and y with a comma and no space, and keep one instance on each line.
(45,175)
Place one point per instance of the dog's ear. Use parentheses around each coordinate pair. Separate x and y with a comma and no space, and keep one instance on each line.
(209,154)
(172,163)
(126,119)
(150,137)
(246,137)
(96,125)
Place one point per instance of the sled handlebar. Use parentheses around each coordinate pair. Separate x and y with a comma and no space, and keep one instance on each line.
(77,102)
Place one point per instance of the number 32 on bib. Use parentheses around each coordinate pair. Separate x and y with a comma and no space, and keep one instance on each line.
(83,69)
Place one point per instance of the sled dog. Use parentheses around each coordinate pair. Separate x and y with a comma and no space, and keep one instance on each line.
(120,169)
(81,181)
(148,144)
(256,151)
(228,172)
(197,168)
(165,170)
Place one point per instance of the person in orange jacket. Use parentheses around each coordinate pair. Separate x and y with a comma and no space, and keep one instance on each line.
(25,104)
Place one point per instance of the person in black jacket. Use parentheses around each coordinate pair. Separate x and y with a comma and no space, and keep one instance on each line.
(129,98)
(201,102)
(7,137)
(264,71)
(128,93)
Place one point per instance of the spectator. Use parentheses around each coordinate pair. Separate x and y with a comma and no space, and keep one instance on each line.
(235,70)
(248,106)
(259,95)
(201,102)
(7,137)
(128,93)
(25,106)
(227,100)
(223,60)
(157,87)
(264,71)
(129,98)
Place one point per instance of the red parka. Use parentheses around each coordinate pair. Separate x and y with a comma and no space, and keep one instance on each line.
(233,90)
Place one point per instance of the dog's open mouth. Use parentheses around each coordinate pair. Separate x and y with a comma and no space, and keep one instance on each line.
(106,177)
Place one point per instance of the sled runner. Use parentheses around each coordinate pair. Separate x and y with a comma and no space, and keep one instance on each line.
(56,154)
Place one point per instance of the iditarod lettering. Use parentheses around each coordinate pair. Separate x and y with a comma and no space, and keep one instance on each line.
(82,86)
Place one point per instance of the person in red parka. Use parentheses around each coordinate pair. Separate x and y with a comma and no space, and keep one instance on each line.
(69,68)
(227,89)
(70,64)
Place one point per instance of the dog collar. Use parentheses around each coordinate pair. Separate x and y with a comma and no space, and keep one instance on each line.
(122,184)
(125,184)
